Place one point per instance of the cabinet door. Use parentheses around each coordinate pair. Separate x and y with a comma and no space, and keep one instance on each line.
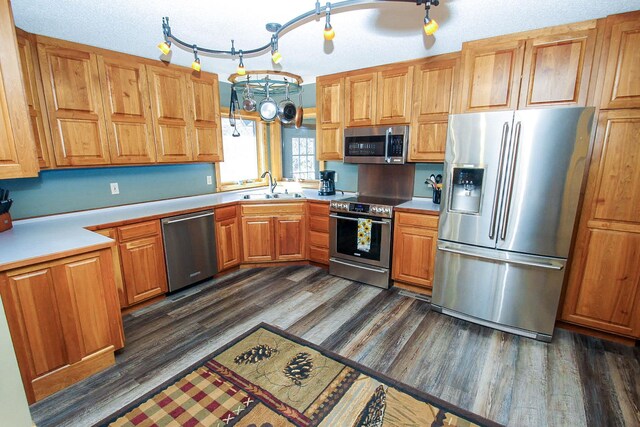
(257,240)
(170,111)
(621,87)
(74,104)
(414,252)
(360,96)
(330,107)
(557,70)
(127,111)
(205,99)
(491,75)
(228,241)
(35,100)
(329,142)
(143,269)
(289,237)
(17,146)
(433,100)
(394,96)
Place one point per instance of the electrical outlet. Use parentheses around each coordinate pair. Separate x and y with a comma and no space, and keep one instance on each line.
(209,180)
(114,188)
(336,177)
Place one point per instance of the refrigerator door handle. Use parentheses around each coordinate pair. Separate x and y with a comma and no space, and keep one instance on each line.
(496,197)
(509,187)
(470,253)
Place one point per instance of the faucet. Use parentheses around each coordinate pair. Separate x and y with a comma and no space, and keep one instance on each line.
(272,181)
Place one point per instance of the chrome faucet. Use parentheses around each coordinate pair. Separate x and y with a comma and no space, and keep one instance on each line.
(272,181)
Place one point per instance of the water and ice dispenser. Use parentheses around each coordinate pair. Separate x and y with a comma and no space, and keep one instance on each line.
(466,189)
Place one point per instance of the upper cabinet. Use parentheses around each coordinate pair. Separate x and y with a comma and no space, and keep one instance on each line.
(127,115)
(621,87)
(434,87)
(541,68)
(74,102)
(17,145)
(360,96)
(330,116)
(204,98)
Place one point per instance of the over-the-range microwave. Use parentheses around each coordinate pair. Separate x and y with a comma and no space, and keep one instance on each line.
(384,144)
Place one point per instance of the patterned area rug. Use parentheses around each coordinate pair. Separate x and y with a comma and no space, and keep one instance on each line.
(268,378)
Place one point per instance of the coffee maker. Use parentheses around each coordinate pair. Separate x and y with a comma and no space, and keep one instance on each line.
(327,183)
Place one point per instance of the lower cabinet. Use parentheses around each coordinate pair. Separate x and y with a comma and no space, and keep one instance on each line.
(273,232)
(64,320)
(227,237)
(318,231)
(414,251)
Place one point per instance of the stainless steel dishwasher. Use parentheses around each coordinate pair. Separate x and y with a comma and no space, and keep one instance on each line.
(189,248)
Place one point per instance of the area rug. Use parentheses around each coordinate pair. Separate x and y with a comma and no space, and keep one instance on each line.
(269,378)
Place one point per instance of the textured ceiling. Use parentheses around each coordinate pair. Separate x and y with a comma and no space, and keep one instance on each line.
(366,35)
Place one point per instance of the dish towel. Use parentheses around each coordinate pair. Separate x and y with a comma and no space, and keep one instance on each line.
(364,234)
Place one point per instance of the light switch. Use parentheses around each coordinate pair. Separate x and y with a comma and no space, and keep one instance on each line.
(114,188)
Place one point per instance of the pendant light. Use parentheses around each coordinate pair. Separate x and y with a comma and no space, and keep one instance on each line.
(196,61)
(241,70)
(329,33)
(430,25)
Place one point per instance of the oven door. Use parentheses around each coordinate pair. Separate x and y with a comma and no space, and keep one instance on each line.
(343,239)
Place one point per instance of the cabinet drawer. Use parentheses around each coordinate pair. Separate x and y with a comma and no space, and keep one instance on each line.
(320,209)
(141,229)
(319,223)
(273,209)
(318,239)
(223,214)
(418,220)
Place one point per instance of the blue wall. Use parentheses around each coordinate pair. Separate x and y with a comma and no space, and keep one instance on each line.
(57,191)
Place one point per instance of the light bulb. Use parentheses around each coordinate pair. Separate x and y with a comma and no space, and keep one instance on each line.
(276,57)
(241,70)
(196,65)
(165,47)
(430,26)
(329,34)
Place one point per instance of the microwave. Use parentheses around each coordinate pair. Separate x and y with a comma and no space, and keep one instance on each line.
(384,144)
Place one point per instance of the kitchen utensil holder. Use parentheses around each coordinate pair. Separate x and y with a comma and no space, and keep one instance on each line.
(437,195)
(5,222)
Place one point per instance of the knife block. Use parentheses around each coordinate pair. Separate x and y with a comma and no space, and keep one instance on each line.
(5,222)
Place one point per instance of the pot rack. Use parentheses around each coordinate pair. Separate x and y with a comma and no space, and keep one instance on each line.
(258,80)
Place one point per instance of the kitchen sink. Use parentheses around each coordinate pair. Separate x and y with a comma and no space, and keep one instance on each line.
(257,196)
(265,196)
(288,196)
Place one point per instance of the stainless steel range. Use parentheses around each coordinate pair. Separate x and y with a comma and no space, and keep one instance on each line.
(360,228)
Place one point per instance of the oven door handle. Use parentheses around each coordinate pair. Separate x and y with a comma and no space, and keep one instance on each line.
(373,221)
(377,270)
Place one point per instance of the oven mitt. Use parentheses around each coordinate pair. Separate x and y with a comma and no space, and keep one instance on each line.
(364,234)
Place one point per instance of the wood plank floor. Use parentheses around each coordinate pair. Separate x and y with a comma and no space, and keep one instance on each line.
(574,381)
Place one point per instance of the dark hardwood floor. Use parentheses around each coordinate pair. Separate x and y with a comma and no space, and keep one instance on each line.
(574,381)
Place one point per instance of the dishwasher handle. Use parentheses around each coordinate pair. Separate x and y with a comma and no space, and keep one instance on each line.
(173,221)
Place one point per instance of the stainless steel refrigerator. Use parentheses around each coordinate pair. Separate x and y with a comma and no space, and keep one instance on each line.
(512,185)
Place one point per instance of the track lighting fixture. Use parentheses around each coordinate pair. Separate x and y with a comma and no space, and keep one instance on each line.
(329,33)
(196,61)
(241,70)
(430,27)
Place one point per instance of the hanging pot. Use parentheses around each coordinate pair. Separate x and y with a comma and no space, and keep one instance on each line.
(248,103)
(299,111)
(233,105)
(286,108)
(268,108)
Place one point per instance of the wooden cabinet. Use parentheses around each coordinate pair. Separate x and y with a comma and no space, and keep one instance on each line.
(541,68)
(330,116)
(603,291)
(273,232)
(360,99)
(434,89)
(142,257)
(127,116)
(35,99)
(227,237)
(64,320)
(414,251)
(318,231)
(74,103)
(621,62)
(17,145)
(204,101)
(172,120)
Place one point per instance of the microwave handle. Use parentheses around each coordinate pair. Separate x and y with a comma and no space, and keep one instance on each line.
(387,141)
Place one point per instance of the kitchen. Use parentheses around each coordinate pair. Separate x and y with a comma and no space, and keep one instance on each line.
(348,99)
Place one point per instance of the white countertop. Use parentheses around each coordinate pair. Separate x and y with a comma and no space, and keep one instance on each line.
(44,236)
(420,203)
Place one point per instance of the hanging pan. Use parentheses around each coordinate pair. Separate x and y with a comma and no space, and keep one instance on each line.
(286,108)
(268,108)
(248,103)
(299,111)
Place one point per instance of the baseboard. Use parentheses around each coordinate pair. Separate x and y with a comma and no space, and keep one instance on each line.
(597,334)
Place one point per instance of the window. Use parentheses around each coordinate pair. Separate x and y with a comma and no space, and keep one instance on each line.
(299,153)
